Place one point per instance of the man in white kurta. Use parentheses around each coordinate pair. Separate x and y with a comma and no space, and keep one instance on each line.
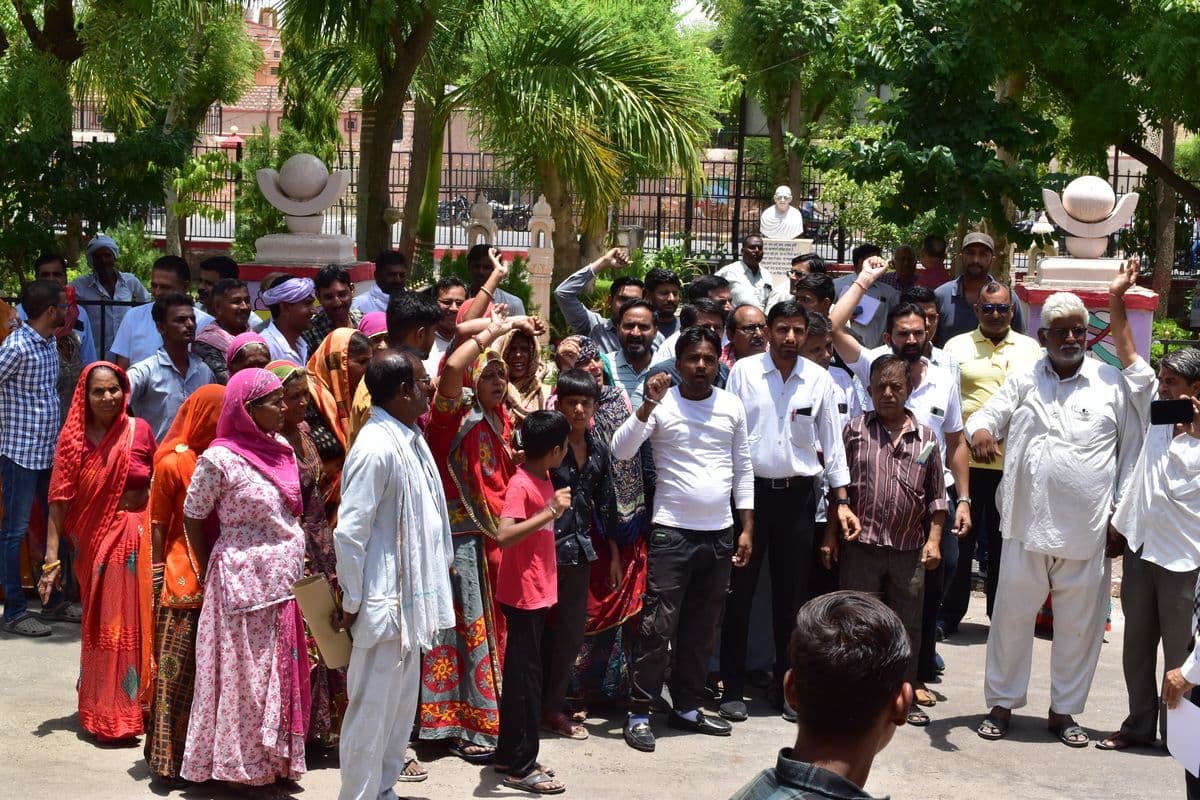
(1071,438)
(393,560)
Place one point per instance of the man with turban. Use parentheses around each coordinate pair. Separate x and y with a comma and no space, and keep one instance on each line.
(105,282)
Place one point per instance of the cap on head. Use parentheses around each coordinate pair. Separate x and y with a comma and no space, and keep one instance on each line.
(976,237)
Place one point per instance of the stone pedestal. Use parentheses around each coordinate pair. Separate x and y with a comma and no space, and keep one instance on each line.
(304,248)
(1139,303)
(541,257)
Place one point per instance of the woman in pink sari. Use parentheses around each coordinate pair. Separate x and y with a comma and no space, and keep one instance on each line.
(250,707)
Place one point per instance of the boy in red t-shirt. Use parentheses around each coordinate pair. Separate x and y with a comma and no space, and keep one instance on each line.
(526,588)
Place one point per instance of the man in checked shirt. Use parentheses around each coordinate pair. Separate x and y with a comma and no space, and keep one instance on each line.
(898,491)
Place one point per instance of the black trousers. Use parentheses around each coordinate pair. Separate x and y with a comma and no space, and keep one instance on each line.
(784,526)
(985,532)
(687,576)
(564,633)
(521,697)
(1192,783)
(936,582)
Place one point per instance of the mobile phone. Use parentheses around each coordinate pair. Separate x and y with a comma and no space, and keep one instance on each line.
(1171,412)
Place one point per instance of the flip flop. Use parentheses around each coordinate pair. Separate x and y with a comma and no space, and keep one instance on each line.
(532,781)
(537,768)
(993,728)
(412,777)
(1068,733)
(559,724)
(460,749)
(924,697)
(917,718)
(1119,742)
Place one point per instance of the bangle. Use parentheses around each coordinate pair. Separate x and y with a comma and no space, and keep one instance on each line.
(648,400)
(478,343)
(553,513)
(859,285)
(966,500)
(53,565)
(487,291)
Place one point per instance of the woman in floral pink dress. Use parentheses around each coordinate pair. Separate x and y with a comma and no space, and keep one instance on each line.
(250,709)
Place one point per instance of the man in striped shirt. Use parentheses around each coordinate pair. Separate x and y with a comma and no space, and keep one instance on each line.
(898,490)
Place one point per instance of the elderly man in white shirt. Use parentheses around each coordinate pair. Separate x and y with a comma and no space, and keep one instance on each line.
(393,559)
(791,413)
(1071,437)
(1159,516)
(748,284)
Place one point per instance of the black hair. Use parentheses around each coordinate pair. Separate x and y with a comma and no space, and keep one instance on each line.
(701,287)
(901,311)
(48,258)
(221,287)
(359,344)
(689,315)
(863,252)
(446,282)
(408,311)
(577,383)
(620,283)
(542,431)
(1184,362)
(917,295)
(815,262)
(819,324)
(330,274)
(731,319)
(388,257)
(173,264)
(930,244)
(163,305)
(386,373)
(37,296)
(751,235)
(848,655)
(478,254)
(991,287)
(889,360)
(659,276)
(629,305)
(693,337)
(224,266)
(787,308)
(820,284)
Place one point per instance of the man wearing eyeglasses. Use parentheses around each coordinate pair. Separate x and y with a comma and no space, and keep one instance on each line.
(985,357)
(1071,438)
(956,299)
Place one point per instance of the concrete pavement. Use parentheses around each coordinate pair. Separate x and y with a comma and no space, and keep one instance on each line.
(45,754)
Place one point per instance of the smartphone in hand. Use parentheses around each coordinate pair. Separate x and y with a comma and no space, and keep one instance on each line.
(1171,412)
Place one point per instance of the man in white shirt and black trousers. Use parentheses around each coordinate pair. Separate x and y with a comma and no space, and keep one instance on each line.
(790,409)
(702,455)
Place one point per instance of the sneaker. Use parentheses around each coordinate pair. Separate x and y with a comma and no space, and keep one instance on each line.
(28,625)
(733,710)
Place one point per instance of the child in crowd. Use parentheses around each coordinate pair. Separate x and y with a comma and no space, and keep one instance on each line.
(587,472)
(526,589)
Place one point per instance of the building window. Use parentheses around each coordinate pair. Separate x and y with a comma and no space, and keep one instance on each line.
(276,54)
(274,70)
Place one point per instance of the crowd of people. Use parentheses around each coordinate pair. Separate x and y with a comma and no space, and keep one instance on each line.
(514,543)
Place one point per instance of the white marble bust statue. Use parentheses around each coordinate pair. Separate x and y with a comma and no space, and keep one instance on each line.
(781,221)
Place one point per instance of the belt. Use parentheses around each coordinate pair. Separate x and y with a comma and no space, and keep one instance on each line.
(781,483)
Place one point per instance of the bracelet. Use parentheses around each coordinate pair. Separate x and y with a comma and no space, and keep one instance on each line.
(859,285)
(553,513)
(966,500)
(53,565)
(487,291)
(648,400)
(842,501)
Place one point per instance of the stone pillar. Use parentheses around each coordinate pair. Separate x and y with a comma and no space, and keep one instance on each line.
(541,256)
(480,227)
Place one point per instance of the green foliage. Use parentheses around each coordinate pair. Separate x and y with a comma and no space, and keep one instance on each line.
(198,182)
(255,216)
(1165,329)
(1187,159)
(137,249)
(516,282)
(1141,237)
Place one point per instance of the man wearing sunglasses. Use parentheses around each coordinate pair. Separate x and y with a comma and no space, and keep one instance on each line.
(1071,437)
(956,299)
(985,357)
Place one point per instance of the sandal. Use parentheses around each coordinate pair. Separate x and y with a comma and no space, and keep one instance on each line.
(63,612)
(536,768)
(924,697)
(1069,733)
(532,781)
(413,776)
(917,718)
(28,625)
(993,727)
(461,749)
(559,724)
(1119,742)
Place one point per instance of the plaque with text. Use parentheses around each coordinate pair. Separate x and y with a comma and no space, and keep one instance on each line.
(777,259)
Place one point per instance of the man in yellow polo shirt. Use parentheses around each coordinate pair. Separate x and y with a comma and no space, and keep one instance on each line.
(985,356)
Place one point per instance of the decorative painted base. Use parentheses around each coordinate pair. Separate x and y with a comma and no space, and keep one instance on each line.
(304,248)
(1139,303)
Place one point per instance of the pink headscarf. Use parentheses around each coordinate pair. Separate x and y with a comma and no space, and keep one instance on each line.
(266,452)
(240,341)
(373,324)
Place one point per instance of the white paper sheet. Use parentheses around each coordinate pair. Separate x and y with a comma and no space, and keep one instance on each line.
(1183,735)
(865,311)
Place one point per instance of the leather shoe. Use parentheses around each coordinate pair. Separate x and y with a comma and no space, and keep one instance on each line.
(639,736)
(711,726)
(788,713)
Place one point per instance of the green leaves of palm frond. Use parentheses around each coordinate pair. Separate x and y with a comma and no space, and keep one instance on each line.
(560,82)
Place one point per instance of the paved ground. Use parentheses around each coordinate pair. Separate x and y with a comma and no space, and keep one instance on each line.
(45,755)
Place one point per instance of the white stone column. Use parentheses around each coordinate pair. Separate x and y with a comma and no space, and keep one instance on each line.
(541,256)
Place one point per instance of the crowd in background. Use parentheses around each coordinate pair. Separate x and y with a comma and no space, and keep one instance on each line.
(516,540)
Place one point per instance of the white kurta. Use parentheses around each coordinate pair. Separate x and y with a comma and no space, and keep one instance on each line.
(393,558)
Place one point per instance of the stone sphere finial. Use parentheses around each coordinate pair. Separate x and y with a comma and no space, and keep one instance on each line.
(303,176)
(1089,199)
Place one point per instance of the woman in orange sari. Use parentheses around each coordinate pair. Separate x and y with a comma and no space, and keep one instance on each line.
(334,372)
(178,571)
(98,497)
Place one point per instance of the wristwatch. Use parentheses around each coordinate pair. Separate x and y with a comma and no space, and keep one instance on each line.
(964,499)
(842,501)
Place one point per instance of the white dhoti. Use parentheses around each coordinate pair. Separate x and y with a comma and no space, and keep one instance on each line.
(383,690)
(1079,591)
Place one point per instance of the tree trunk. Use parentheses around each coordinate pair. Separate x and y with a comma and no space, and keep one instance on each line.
(1165,202)
(427,216)
(1008,89)
(418,172)
(566,238)
(795,126)
(779,159)
(172,232)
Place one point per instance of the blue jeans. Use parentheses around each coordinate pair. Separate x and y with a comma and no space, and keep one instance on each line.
(21,486)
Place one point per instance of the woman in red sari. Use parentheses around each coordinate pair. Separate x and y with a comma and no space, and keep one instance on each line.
(98,497)
(178,570)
